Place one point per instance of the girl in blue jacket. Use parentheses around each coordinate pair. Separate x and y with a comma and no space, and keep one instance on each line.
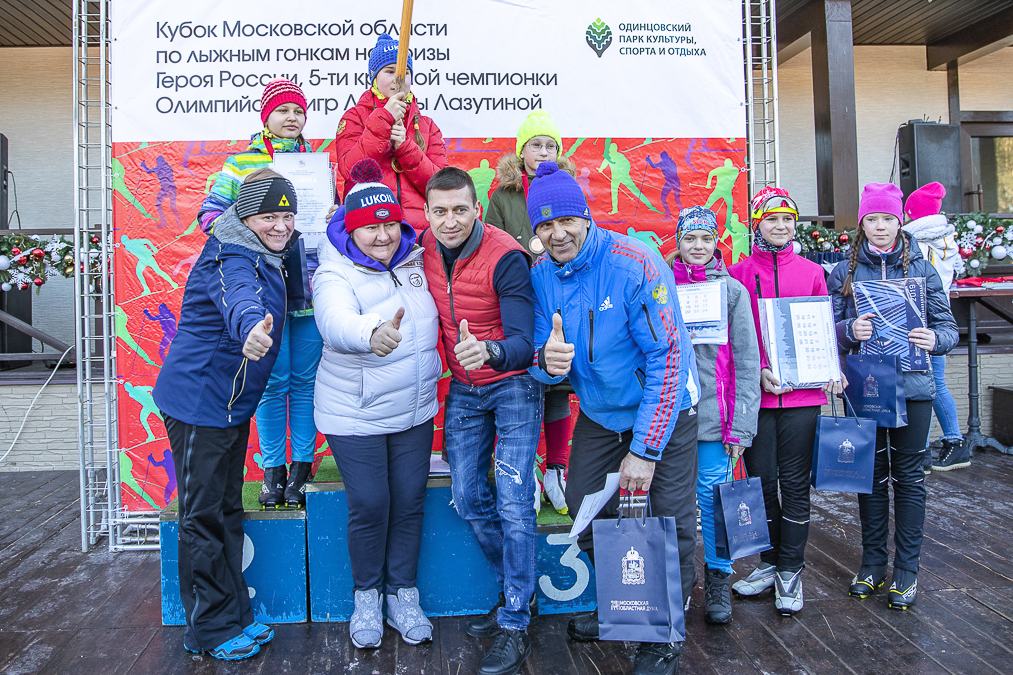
(207,391)
(881,250)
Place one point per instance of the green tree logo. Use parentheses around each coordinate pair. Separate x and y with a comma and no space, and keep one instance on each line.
(599,37)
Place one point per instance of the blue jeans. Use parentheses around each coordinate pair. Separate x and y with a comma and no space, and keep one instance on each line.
(944,406)
(714,468)
(509,413)
(287,402)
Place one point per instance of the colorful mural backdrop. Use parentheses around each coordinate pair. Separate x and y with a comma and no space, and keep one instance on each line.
(165,162)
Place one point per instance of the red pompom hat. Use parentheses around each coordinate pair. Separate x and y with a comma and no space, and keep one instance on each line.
(370,202)
(278,92)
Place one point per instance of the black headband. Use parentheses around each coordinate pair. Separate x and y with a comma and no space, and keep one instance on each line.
(266,196)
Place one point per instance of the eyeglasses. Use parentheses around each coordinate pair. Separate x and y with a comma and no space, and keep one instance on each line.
(537,147)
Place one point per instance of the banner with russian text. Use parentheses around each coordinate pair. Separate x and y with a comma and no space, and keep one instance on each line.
(649,96)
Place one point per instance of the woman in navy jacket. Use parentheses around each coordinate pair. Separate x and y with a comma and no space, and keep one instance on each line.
(207,391)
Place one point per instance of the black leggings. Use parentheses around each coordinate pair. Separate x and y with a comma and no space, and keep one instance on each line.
(782,456)
(900,464)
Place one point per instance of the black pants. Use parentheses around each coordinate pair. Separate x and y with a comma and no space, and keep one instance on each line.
(597,451)
(209,470)
(900,464)
(385,485)
(782,457)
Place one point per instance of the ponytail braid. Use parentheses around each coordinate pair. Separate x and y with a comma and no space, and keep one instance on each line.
(856,245)
(419,140)
(906,258)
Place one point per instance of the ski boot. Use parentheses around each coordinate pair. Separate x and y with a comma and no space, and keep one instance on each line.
(272,492)
(295,491)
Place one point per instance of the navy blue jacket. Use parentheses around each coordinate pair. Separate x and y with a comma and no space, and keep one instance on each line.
(918,385)
(206,380)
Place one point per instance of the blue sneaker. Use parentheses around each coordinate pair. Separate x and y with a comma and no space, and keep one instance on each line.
(259,633)
(239,647)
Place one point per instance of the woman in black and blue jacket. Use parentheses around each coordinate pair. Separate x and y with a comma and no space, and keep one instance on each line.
(207,391)
(881,250)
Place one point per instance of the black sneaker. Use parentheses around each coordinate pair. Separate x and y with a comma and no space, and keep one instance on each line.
(272,492)
(903,589)
(583,627)
(487,624)
(954,455)
(295,491)
(868,579)
(508,653)
(717,596)
(657,658)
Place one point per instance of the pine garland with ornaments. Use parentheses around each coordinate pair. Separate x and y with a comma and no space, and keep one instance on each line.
(815,238)
(982,239)
(30,260)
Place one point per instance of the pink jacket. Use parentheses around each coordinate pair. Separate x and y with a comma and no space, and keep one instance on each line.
(780,275)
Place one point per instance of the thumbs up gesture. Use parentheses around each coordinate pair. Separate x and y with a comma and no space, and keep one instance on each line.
(259,341)
(387,335)
(558,352)
(471,352)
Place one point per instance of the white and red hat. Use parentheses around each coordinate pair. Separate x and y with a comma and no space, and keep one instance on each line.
(370,202)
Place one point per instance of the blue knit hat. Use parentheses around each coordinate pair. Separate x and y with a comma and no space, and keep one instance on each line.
(555,194)
(696,218)
(384,54)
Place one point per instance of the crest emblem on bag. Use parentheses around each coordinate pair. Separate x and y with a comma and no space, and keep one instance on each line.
(745,518)
(633,568)
(846,453)
(870,387)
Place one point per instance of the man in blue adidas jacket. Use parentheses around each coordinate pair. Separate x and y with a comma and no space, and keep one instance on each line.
(606,314)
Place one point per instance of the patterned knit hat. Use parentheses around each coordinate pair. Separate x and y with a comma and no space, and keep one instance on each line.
(370,202)
(555,194)
(278,92)
(266,196)
(538,123)
(384,54)
(696,218)
(770,200)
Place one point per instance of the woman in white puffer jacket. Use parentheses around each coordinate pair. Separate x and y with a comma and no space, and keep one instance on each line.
(375,397)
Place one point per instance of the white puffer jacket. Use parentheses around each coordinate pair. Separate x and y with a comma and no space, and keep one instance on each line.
(935,237)
(357,392)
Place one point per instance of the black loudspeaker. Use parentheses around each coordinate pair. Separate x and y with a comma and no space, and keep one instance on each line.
(12,341)
(930,153)
(3,181)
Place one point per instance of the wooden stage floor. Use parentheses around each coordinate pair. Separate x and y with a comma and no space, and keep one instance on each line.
(64,612)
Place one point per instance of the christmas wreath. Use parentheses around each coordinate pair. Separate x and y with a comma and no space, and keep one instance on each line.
(31,259)
(982,239)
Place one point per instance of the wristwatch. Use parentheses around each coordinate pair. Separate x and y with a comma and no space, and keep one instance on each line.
(495,351)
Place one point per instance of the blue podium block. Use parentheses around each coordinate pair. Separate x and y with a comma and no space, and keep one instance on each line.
(274,566)
(565,577)
(454,578)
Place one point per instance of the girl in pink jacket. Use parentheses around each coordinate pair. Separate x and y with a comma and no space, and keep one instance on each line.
(782,451)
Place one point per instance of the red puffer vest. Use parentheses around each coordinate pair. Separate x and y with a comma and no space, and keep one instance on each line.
(469,295)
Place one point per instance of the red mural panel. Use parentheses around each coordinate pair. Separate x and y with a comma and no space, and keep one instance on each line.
(633,186)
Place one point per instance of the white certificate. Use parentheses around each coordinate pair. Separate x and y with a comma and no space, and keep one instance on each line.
(815,356)
(700,303)
(310,173)
(593,503)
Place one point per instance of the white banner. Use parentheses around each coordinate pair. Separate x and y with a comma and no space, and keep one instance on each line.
(195,70)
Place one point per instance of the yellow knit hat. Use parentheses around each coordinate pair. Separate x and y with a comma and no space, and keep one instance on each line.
(538,123)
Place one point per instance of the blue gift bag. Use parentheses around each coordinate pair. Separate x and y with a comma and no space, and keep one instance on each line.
(638,578)
(845,452)
(876,389)
(740,518)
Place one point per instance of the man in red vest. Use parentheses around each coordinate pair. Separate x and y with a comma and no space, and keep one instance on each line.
(480,280)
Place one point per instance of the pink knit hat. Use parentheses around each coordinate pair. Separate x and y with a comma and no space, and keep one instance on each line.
(278,92)
(881,198)
(925,201)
